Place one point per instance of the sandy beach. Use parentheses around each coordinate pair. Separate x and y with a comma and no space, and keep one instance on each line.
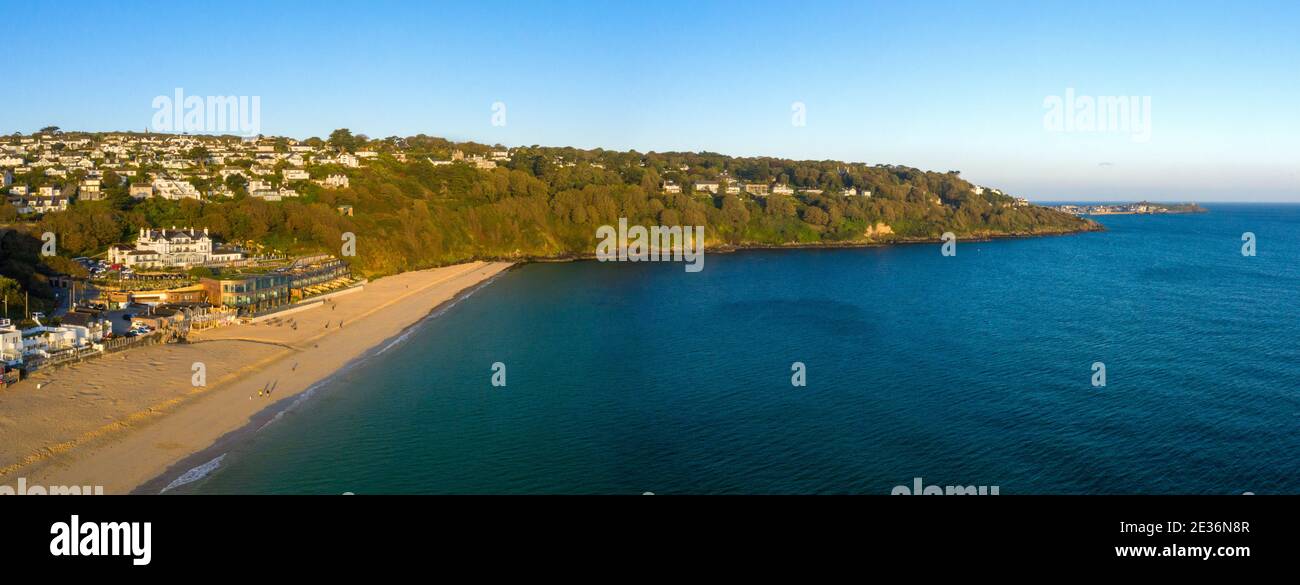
(125,419)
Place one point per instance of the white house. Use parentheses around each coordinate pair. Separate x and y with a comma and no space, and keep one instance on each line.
(11,344)
(39,204)
(295,175)
(270,194)
(172,189)
(89,190)
(226,173)
(335,182)
(139,191)
(43,340)
(710,186)
(171,248)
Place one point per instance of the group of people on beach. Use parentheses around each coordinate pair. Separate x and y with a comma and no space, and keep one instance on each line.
(265,392)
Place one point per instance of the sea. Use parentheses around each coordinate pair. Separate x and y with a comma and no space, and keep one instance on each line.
(1156,357)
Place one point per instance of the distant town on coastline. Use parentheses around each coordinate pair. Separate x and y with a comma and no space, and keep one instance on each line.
(155,234)
(1139,208)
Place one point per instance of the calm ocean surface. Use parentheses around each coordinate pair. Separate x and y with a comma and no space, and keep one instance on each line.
(971,370)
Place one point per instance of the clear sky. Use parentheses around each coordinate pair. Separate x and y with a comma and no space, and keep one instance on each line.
(936,85)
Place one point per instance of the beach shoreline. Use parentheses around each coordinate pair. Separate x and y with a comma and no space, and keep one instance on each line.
(174,476)
(136,428)
(845,245)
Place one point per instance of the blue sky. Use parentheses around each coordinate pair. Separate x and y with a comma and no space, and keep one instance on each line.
(939,85)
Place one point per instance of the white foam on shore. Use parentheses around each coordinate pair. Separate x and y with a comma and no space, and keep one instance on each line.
(195,474)
(302,396)
(396,340)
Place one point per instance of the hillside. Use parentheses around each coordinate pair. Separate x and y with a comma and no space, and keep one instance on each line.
(538,202)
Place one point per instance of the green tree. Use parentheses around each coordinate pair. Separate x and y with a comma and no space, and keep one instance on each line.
(343,139)
(816,216)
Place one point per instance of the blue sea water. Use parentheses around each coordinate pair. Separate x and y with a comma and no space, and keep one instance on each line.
(968,370)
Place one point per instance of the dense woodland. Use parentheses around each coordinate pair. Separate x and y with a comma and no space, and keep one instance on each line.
(543,202)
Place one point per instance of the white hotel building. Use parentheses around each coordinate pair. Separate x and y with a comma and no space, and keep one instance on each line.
(171,248)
